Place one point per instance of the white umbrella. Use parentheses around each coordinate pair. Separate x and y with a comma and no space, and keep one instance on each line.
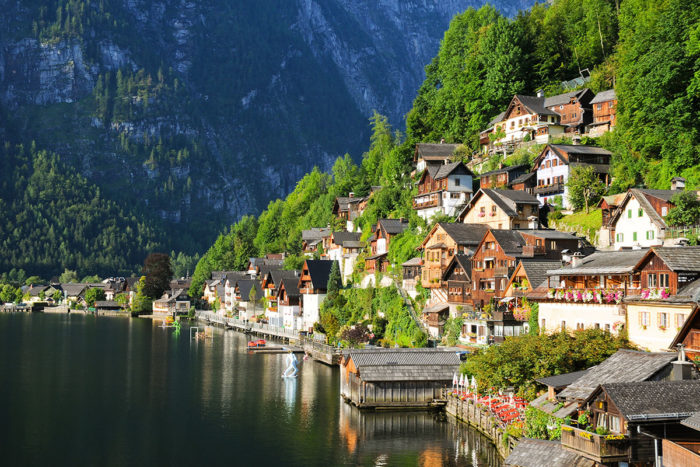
(473,382)
(461,380)
(454,380)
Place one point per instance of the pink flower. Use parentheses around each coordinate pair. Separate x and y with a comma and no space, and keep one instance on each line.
(665,294)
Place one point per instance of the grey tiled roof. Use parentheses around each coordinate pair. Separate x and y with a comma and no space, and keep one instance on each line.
(497,118)
(509,199)
(603,262)
(435,150)
(523,178)
(393,226)
(680,259)
(74,290)
(291,285)
(604,96)
(319,270)
(550,234)
(465,234)
(554,408)
(651,400)
(447,169)
(693,421)
(542,453)
(246,285)
(405,364)
(511,168)
(623,366)
(566,150)
(535,104)
(278,275)
(315,234)
(563,380)
(536,270)
(563,99)
(412,262)
(339,238)
(510,241)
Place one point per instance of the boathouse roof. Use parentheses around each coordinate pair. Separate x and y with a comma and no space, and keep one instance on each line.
(542,453)
(404,364)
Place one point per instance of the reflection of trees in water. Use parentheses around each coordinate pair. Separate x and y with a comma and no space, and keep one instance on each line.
(431,437)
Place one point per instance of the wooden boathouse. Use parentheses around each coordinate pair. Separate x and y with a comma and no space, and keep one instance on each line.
(396,378)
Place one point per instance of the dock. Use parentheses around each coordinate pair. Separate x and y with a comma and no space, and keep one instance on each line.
(276,350)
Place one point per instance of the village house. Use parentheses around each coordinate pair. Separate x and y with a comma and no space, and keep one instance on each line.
(528,275)
(428,153)
(680,453)
(344,247)
(435,317)
(313,285)
(383,232)
(608,205)
(502,209)
(502,177)
(312,238)
(640,221)
(499,252)
(604,112)
(411,274)
(209,290)
(525,182)
(555,164)
(396,378)
(229,282)
(36,293)
(457,278)
(349,208)
(173,302)
(670,281)
(443,189)
(288,305)
(258,266)
(548,403)
(488,136)
(271,282)
(248,299)
(439,246)
(108,307)
(588,292)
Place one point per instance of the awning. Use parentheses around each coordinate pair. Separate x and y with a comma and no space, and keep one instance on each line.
(507,299)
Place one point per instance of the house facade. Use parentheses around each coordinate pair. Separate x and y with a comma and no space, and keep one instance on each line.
(288,303)
(604,106)
(443,189)
(502,177)
(313,285)
(554,165)
(344,247)
(428,153)
(501,209)
(271,282)
(383,232)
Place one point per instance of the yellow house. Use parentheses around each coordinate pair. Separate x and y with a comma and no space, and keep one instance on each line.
(502,209)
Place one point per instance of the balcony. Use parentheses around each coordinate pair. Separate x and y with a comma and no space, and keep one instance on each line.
(533,250)
(599,448)
(502,316)
(503,271)
(551,188)
(426,204)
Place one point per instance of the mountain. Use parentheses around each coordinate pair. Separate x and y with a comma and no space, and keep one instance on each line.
(189,114)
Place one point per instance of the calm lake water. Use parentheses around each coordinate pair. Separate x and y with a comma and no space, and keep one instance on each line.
(80,390)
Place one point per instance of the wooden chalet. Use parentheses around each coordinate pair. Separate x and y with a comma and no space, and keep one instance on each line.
(270,284)
(314,276)
(573,108)
(457,278)
(313,238)
(525,182)
(502,209)
(396,378)
(689,335)
(411,270)
(383,232)
(429,153)
(503,176)
(443,188)
(604,106)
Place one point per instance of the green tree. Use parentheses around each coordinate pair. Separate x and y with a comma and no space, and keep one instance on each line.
(685,210)
(335,282)
(585,187)
(158,272)
(142,303)
(68,276)
(94,294)
(33,280)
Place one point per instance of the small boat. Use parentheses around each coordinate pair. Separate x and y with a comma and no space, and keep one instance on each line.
(256,344)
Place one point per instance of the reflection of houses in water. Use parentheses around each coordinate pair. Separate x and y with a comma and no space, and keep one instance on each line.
(386,434)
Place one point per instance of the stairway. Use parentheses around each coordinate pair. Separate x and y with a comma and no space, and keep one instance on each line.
(411,310)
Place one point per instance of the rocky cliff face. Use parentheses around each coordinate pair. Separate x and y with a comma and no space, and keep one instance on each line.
(227,103)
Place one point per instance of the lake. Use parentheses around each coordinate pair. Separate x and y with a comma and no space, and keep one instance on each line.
(78,390)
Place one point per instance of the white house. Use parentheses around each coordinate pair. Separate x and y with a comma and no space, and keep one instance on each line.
(313,285)
(344,247)
(639,221)
(555,163)
(443,189)
(288,304)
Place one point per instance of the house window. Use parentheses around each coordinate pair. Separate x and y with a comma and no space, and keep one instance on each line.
(680,320)
(620,237)
(600,106)
(456,181)
(664,211)
(640,212)
(493,210)
(516,226)
(614,424)
(663,280)
(644,318)
(607,328)
(563,325)
(634,236)
(651,280)
(650,235)
(544,322)
(629,214)
(663,320)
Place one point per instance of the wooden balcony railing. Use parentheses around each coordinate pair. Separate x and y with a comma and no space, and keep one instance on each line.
(503,271)
(533,250)
(426,204)
(502,316)
(600,448)
(546,189)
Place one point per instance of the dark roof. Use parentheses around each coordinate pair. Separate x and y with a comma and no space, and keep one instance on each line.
(653,400)
(464,261)
(413,262)
(554,407)
(508,200)
(393,226)
(497,119)
(34,291)
(319,270)
(549,234)
(565,98)
(73,290)
(343,203)
(448,169)
(291,286)
(523,178)
(542,453)
(509,240)
(246,285)
(693,421)
(465,234)
(535,104)
(431,150)
(405,364)
(233,276)
(536,269)
(561,381)
(623,366)
(315,234)
(523,167)
(603,262)
(604,96)
(679,259)
(579,149)
(278,275)
(340,238)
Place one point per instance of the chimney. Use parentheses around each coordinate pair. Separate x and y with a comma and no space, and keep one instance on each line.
(678,183)
(533,223)
(576,259)
(681,369)
(540,93)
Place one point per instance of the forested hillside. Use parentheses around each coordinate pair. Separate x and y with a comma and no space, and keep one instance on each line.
(192,114)
(650,51)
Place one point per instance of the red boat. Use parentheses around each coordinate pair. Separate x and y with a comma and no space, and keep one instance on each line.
(257,343)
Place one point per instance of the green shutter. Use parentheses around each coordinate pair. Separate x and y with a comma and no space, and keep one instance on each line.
(629,214)
(634,236)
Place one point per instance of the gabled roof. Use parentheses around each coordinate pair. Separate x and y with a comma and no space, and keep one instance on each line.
(276,276)
(604,96)
(693,421)
(291,285)
(461,260)
(507,169)
(654,400)
(497,118)
(509,240)
(404,364)
(244,287)
(506,200)
(413,262)
(233,276)
(563,99)
(641,196)
(603,262)
(523,178)
(341,238)
(536,270)
(434,151)
(534,104)
(564,152)
(393,226)
(35,290)
(623,366)
(319,271)
(462,234)
(561,381)
(678,259)
(543,453)
(74,290)
(691,322)
(315,234)
(453,167)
